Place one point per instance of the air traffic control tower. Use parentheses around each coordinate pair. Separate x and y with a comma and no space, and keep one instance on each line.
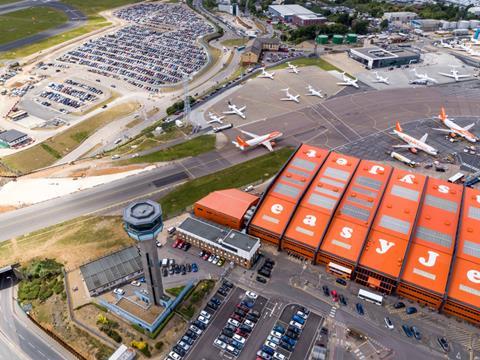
(143,222)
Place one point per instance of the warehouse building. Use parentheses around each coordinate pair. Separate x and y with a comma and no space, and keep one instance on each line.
(376,57)
(287,12)
(231,245)
(252,53)
(226,207)
(403,17)
(14,138)
(308,19)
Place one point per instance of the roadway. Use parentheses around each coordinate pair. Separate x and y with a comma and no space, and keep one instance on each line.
(75,19)
(19,338)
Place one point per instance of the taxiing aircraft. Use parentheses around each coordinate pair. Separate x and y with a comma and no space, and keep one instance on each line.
(290,97)
(293,68)
(413,144)
(234,110)
(313,92)
(265,140)
(454,74)
(266,74)
(380,79)
(454,129)
(214,118)
(422,79)
(446,45)
(348,81)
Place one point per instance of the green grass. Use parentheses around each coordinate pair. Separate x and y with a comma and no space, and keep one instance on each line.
(23,23)
(2,2)
(321,63)
(236,176)
(175,291)
(194,147)
(93,7)
(56,147)
(235,42)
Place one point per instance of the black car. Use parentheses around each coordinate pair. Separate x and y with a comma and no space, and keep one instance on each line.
(292,334)
(189,268)
(222,292)
(399,305)
(200,325)
(411,310)
(444,344)
(264,273)
(165,272)
(254,313)
(245,328)
(416,333)
(224,338)
(171,271)
(191,334)
(343,300)
(212,305)
(359,308)
(270,261)
(216,300)
(286,346)
(187,246)
(324,331)
(188,340)
(267,266)
(227,284)
(326,290)
(177,269)
(261,279)
(225,288)
(304,310)
(230,327)
(407,330)
(294,329)
(240,313)
(179,350)
(227,332)
(341,282)
(184,270)
(251,318)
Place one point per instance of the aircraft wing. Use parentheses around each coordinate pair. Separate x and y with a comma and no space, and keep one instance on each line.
(355,84)
(407,146)
(249,134)
(343,83)
(468,127)
(424,138)
(447,75)
(242,108)
(229,112)
(268,145)
(463,76)
(443,130)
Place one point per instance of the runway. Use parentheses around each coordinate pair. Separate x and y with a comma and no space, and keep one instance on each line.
(331,124)
(75,19)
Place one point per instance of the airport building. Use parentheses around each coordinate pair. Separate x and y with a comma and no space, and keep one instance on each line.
(376,57)
(252,53)
(388,229)
(13,138)
(232,245)
(229,207)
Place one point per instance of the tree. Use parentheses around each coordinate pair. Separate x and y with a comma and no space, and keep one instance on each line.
(360,27)
(384,24)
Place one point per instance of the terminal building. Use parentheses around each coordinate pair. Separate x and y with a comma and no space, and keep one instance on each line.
(389,229)
(376,57)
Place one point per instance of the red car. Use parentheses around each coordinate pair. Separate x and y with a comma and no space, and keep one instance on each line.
(243,308)
(180,244)
(236,317)
(176,243)
(206,256)
(334,295)
(241,333)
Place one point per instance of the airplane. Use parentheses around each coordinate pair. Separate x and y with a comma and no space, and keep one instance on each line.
(454,74)
(214,118)
(413,144)
(293,68)
(463,47)
(266,74)
(445,45)
(265,140)
(348,81)
(290,97)
(313,92)
(422,79)
(454,129)
(380,79)
(234,110)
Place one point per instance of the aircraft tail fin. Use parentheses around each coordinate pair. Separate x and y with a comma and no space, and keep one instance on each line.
(398,127)
(242,144)
(424,137)
(443,115)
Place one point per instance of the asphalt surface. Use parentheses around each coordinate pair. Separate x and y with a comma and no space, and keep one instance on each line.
(75,19)
(19,338)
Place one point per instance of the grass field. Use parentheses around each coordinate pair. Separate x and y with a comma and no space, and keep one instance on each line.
(321,63)
(72,243)
(236,176)
(194,147)
(235,42)
(56,147)
(23,23)
(93,7)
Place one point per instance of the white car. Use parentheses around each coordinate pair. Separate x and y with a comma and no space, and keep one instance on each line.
(251,295)
(174,355)
(389,323)
(296,324)
(203,319)
(233,322)
(118,291)
(249,323)
(302,315)
(184,345)
(273,339)
(278,356)
(276,334)
(159,244)
(220,344)
(210,259)
(196,330)
(205,314)
(135,283)
(271,344)
(239,338)
(215,261)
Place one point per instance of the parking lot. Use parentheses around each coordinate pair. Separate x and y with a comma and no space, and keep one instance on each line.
(158,47)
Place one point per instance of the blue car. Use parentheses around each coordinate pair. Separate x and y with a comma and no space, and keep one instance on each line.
(289,340)
(268,350)
(247,303)
(407,330)
(194,267)
(359,309)
(298,319)
(279,328)
(236,344)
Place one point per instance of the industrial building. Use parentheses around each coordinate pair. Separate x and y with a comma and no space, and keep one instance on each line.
(400,16)
(232,245)
(228,207)
(252,53)
(14,138)
(288,12)
(376,57)
(308,19)
(389,229)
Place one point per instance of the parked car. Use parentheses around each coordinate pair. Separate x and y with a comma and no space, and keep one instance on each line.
(220,344)
(118,291)
(343,300)
(341,282)
(251,295)
(296,324)
(227,284)
(407,330)
(292,334)
(276,334)
(174,355)
(359,308)
(298,319)
(279,356)
(416,333)
(273,339)
(279,328)
(205,314)
(271,345)
(326,290)
(411,310)
(264,355)
(443,344)
(389,323)
(194,267)
(261,279)
(249,323)
(399,305)
(233,322)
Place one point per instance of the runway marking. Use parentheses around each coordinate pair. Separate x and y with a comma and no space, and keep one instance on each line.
(339,119)
(333,126)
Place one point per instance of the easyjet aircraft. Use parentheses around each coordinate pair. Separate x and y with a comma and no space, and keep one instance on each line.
(413,144)
(265,140)
(454,129)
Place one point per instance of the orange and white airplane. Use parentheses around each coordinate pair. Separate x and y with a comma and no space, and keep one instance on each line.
(454,129)
(265,140)
(413,144)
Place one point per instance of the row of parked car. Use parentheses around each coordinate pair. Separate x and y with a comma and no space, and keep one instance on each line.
(198,326)
(179,269)
(285,338)
(214,259)
(239,326)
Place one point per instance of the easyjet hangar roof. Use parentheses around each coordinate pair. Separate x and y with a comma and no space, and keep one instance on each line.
(233,202)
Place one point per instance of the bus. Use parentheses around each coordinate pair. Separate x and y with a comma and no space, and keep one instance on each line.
(369,296)
(240,48)
(456,178)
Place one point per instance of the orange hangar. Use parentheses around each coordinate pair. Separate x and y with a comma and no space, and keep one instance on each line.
(282,196)
(382,258)
(427,265)
(226,207)
(343,243)
(463,289)
(312,217)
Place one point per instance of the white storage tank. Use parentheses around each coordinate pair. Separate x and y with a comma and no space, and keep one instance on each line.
(463,24)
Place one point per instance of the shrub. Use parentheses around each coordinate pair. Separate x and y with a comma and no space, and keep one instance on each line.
(159,345)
